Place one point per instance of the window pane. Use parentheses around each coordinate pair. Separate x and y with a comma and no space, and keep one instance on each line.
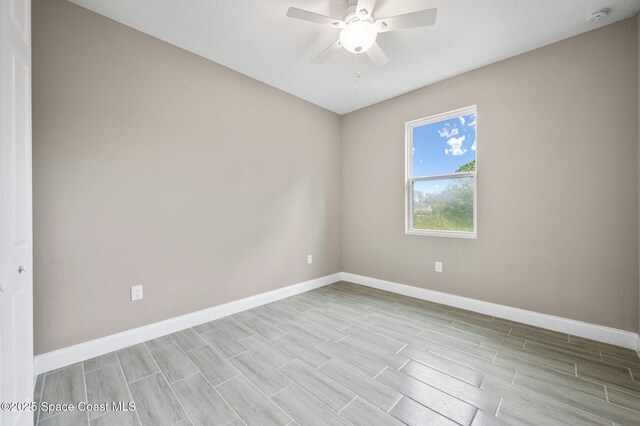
(445,147)
(443,205)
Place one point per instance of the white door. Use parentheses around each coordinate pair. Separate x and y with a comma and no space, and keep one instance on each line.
(16,277)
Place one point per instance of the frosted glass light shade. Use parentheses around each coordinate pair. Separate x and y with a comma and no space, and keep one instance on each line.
(358,36)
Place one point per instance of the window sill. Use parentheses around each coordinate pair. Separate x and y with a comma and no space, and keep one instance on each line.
(446,234)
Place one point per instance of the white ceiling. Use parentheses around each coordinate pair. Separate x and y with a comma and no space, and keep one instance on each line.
(255,38)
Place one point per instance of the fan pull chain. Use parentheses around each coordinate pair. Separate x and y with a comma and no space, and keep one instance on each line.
(356,75)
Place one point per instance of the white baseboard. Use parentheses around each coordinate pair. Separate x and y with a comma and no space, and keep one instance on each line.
(600,333)
(66,356)
(62,357)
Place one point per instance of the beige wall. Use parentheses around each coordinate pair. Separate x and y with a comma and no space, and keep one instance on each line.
(558,191)
(154,166)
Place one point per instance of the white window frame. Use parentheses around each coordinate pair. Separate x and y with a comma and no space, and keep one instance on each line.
(409,180)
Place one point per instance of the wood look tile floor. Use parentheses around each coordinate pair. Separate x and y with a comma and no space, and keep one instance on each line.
(351,355)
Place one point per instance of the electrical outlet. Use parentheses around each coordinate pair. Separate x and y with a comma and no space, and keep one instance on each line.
(438,266)
(136,293)
(309,259)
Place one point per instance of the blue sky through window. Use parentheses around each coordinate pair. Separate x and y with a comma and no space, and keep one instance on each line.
(441,148)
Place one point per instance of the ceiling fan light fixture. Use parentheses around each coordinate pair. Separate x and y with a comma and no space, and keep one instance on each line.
(358,36)
(359,29)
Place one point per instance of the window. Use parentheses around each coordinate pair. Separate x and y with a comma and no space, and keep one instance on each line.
(441,175)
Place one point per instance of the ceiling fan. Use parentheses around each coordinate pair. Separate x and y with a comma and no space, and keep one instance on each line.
(359,29)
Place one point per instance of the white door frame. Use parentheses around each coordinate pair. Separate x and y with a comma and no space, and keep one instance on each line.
(16,239)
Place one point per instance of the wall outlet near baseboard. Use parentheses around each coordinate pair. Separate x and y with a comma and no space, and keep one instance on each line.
(136,293)
(438,266)
(309,259)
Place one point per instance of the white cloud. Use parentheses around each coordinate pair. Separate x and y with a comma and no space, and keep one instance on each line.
(456,146)
(462,120)
(473,147)
(447,132)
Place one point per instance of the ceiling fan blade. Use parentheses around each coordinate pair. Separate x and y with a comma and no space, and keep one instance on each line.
(376,55)
(305,15)
(365,7)
(422,18)
(327,52)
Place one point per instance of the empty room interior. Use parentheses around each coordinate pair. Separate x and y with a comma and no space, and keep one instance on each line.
(319,212)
